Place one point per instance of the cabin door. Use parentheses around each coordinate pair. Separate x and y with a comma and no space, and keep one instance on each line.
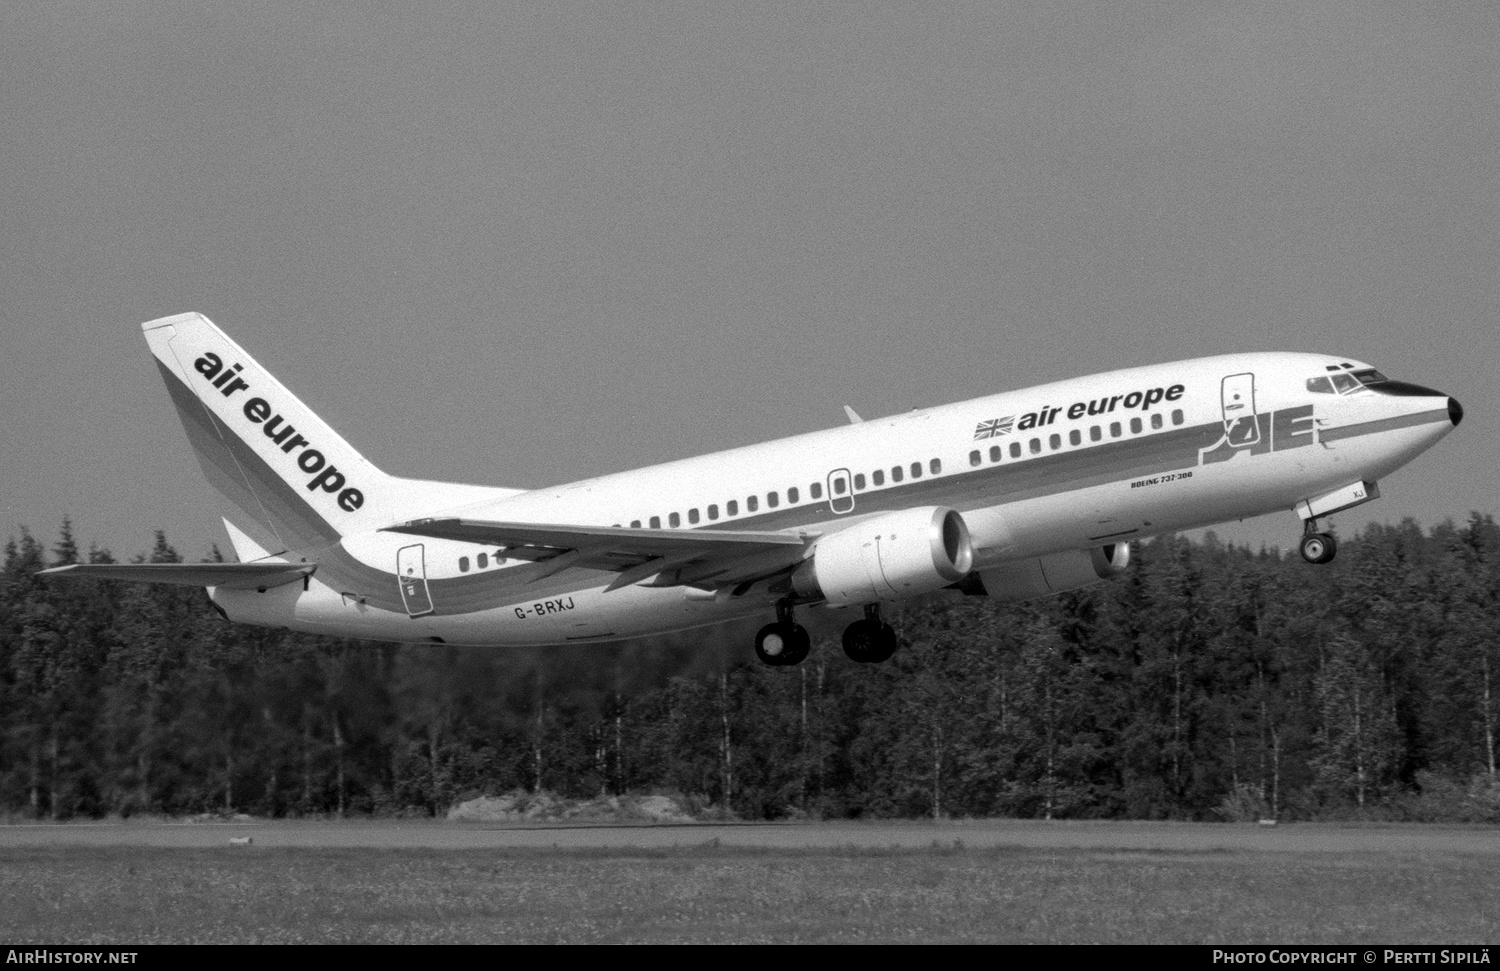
(411,573)
(1240,425)
(840,491)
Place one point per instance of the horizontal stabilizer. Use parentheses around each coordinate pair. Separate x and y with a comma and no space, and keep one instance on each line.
(233,576)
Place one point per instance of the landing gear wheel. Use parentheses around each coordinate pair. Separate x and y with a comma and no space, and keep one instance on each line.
(1319,547)
(782,643)
(869,641)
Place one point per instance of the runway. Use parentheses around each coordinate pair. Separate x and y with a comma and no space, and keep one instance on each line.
(1101,836)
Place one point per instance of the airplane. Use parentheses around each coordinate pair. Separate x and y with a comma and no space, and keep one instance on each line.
(1010,496)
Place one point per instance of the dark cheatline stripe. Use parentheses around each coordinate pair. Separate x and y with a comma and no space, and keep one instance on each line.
(1385,425)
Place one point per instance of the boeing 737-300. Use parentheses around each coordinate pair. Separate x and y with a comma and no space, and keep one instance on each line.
(1010,496)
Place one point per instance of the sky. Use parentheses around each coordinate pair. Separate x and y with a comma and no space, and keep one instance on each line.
(520,244)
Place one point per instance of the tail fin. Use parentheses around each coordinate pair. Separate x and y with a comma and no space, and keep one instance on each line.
(299,485)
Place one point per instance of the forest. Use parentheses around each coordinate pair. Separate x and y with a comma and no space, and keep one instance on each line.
(1209,682)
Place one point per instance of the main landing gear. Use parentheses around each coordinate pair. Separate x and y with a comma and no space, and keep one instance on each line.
(784,642)
(871,640)
(1317,547)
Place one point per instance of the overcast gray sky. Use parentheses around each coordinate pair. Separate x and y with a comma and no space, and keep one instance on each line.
(520,244)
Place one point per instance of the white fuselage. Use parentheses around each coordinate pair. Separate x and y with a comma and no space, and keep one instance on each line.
(1065,466)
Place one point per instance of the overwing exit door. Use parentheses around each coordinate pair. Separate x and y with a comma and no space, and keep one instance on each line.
(1240,425)
(840,491)
(411,574)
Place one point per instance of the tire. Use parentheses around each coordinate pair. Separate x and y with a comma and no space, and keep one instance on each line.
(782,645)
(867,643)
(1318,547)
(859,642)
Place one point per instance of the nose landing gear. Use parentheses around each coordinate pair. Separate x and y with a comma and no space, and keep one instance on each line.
(1318,547)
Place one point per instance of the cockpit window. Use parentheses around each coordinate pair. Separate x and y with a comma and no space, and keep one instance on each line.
(1345,382)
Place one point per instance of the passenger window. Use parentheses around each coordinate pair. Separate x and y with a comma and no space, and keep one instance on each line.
(635,524)
(1095,433)
(792,496)
(1135,426)
(713,512)
(751,504)
(1015,450)
(1156,421)
(656,522)
(483,559)
(771,500)
(916,470)
(975,458)
(839,486)
(463,564)
(1036,446)
(896,473)
(1075,437)
(1055,440)
(816,490)
(693,516)
(732,507)
(879,476)
(859,480)
(1114,429)
(674,520)
(1320,385)
(994,453)
(935,466)
(1177,418)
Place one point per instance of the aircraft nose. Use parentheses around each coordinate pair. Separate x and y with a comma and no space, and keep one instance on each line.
(1455,411)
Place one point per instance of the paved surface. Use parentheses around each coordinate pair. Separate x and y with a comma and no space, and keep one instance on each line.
(1030,834)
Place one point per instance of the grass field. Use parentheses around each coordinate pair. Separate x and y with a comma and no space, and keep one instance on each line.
(713,893)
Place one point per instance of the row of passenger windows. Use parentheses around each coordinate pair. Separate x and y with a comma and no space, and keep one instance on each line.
(876,479)
(839,486)
(482,560)
(1075,437)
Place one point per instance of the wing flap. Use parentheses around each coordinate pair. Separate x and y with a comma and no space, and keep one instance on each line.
(644,542)
(234,576)
(634,553)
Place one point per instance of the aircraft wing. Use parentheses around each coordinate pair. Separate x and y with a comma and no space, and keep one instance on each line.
(700,557)
(235,576)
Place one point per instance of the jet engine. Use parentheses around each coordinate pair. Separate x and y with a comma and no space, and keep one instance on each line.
(1052,573)
(896,555)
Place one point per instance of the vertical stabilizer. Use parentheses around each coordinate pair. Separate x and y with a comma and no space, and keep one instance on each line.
(299,485)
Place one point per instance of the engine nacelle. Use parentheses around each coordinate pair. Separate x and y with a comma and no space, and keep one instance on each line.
(896,555)
(1054,572)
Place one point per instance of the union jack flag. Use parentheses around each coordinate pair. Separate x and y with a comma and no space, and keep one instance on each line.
(994,428)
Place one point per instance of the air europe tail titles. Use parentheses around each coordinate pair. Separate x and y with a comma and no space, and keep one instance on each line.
(1102,406)
(258,410)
